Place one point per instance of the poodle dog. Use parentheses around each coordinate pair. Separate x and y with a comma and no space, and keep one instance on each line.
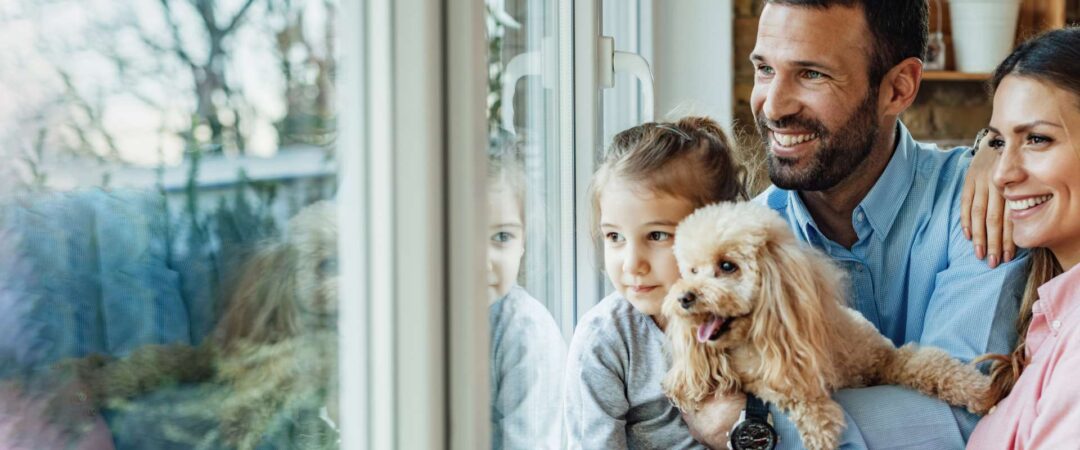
(273,353)
(758,311)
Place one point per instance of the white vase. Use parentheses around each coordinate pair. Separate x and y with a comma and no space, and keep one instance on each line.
(983,32)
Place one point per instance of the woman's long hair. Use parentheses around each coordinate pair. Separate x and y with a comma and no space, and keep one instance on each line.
(1052,57)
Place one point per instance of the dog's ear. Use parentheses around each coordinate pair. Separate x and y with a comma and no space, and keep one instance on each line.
(697,370)
(261,308)
(800,291)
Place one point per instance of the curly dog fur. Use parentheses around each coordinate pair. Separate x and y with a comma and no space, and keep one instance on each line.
(758,311)
(273,351)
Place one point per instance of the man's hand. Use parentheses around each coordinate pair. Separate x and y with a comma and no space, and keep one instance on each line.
(710,424)
(983,210)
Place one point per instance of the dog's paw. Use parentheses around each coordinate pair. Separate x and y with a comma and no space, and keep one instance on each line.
(981,402)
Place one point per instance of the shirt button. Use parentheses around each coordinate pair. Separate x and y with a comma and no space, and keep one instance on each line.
(859,216)
(1056,324)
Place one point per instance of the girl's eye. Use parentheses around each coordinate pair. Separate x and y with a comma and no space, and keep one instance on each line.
(502,237)
(613,237)
(659,236)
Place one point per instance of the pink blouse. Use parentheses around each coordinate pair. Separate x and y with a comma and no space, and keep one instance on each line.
(1043,409)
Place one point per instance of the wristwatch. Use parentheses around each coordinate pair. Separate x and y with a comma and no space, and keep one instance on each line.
(754,429)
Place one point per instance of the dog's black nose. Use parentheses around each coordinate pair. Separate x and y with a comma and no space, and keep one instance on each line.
(687,300)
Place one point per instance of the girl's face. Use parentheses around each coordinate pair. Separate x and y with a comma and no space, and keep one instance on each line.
(506,243)
(1038,171)
(639,229)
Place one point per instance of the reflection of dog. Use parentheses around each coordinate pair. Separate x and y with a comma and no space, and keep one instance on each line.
(757,311)
(274,351)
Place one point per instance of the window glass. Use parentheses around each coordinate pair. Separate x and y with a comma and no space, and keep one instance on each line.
(168,238)
(528,208)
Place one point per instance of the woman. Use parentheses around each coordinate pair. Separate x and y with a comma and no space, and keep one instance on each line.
(1036,130)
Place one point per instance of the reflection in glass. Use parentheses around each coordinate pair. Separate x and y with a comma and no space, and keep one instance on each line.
(527,350)
(168,256)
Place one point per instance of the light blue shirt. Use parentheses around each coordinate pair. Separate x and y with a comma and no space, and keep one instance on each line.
(914,275)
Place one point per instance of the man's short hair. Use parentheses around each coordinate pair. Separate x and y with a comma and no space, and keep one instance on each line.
(899,27)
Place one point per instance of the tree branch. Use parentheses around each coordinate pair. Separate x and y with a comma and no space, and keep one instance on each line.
(239,15)
(178,45)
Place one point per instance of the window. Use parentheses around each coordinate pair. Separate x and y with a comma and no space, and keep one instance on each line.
(305,223)
(169,269)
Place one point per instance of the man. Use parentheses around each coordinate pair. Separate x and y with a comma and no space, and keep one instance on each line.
(832,78)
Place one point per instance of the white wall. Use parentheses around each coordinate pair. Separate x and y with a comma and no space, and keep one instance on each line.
(692,58)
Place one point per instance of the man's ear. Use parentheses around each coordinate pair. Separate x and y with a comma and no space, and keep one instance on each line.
(900,86)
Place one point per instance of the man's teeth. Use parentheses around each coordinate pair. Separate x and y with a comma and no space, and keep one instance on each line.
(787,140)
(1027,203)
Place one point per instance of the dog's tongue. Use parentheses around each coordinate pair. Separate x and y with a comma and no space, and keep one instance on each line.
(708,328)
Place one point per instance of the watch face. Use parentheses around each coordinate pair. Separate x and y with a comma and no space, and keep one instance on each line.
(753,435)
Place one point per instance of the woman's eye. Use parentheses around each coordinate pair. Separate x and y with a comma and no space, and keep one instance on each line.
(613,237)
(996,143)
(502,237)
(659,236)
(1035,139)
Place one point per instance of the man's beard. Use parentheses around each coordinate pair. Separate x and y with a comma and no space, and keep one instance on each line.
(839,153)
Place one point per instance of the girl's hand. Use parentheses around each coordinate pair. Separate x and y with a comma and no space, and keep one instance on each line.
(710,424)
(982,213)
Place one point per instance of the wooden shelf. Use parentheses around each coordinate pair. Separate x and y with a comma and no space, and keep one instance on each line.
(951,75)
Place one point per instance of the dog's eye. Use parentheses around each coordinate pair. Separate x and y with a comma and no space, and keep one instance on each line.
(693,270)
(728,267)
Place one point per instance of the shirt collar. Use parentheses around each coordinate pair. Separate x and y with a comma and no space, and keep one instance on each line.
(1056,296)
(882,204)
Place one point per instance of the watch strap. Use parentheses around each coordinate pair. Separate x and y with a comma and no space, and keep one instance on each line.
(756,408)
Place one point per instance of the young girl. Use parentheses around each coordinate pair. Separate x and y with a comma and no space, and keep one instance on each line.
(652,177)
(527,350)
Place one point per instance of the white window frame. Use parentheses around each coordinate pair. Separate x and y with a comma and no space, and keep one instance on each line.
(414,340)
(411,177)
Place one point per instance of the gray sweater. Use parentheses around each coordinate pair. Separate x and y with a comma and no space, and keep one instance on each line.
(527,356)
(613,398)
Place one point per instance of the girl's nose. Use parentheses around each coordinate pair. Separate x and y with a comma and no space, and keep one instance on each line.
(636,262)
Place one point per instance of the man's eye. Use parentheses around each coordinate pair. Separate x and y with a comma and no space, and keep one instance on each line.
(659,236)
(765,70)
(813,75)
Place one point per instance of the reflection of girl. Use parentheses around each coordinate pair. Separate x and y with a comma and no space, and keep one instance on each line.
(1036,130)
(527,351)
